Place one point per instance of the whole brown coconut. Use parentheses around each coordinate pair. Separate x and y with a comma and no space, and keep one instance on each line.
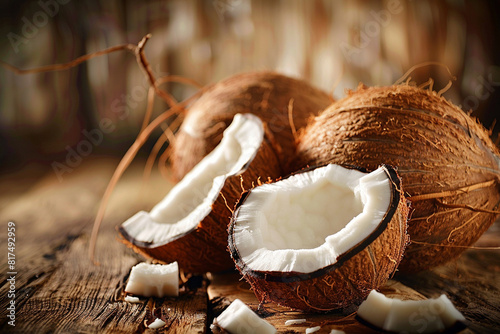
(268,95)
(449,166)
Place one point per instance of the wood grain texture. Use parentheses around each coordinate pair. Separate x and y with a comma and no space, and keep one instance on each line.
(58,290)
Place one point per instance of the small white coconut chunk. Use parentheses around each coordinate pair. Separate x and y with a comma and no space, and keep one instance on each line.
(375,308)
(154,280)
(158,323)
(336,331)
(190,201)
(294,322)
(132,299)
(409,316)
(450,314)
(239,318)
(413,315)
(312,329)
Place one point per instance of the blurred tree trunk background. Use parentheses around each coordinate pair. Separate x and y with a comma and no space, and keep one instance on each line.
(333,44)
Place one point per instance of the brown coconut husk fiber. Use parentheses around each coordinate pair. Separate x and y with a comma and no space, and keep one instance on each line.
(285,104)
(449,166)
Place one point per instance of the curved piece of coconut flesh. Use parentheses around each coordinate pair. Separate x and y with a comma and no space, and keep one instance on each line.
(190,224)
(239,318)
(320,239)
(411,316)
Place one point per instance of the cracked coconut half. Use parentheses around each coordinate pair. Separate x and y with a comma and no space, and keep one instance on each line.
(190,224)
(320,239)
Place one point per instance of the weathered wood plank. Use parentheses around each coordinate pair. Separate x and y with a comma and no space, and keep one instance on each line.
(184,314)
(80,297)
(49,216)
(77,292)
(58,289)
(17,182)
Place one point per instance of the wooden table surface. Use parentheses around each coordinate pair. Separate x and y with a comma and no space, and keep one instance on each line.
(58,289)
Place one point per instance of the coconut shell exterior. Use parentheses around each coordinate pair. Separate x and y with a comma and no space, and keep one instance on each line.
(449,166)
(204,249)
(265,94)
(368,265)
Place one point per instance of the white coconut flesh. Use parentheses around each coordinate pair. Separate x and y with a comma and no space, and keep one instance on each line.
(305,222)
(239,318)
(409,316)
(132,299)
(154,280)
(158,323)
(314,329)
(190,201)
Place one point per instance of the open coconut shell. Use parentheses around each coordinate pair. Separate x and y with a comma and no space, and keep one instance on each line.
(265,94)
(320,239)
(190,224)
(449,166)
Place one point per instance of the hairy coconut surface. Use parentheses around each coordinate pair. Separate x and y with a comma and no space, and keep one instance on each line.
(266,94)
(190,224)
(449,166)
(320,239)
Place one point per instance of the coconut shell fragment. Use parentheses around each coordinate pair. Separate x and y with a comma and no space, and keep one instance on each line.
(449,166)
(190,224)
(351,235)
(273,97)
